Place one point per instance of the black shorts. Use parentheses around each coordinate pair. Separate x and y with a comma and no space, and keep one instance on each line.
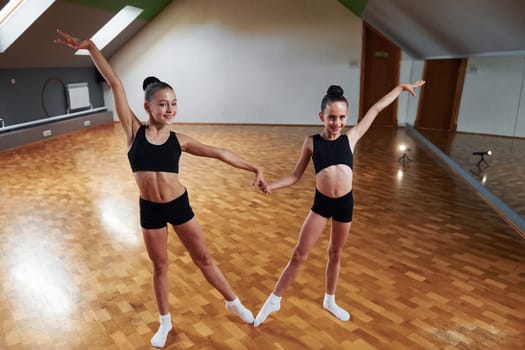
(157,215)
(339,209)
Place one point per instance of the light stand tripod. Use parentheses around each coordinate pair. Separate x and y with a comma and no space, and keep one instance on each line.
(482,159)
(404,157)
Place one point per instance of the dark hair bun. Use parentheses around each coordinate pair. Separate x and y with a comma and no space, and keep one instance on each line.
(335,90)
(148,81)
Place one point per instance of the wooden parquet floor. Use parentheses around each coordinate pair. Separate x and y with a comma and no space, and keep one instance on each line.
(428,264)
(505,177)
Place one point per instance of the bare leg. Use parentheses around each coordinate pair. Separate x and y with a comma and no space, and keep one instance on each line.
(308,236)
(156,242)
(338,238)
(310,232)
(192,237)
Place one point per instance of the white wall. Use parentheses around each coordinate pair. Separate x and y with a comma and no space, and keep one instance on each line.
(491,96)
(410,71)
(237,61)
(402,102)
(490,103)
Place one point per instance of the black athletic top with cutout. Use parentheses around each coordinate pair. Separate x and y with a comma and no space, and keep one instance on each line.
(145,156)
(331,152)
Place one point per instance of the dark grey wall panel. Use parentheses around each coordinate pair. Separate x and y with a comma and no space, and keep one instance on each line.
(22,101)
(15,138)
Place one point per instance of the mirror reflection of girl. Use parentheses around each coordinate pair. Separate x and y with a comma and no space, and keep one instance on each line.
(154,152)
(332,155)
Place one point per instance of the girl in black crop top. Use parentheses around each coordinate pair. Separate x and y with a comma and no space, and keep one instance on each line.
(154,152)
(332,155)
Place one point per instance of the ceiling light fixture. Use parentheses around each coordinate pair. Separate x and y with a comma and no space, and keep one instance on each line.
(113,27)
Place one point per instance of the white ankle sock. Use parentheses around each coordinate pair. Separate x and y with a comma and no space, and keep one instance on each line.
(330,305)
(159,339)
(272,304)
(237,307)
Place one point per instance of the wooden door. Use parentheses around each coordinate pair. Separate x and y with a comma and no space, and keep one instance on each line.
(380,61)
(440,97)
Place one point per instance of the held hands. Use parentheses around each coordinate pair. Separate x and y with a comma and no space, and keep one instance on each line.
(259,180)
(265,188)
(410,87)
(71,41)
(260,183)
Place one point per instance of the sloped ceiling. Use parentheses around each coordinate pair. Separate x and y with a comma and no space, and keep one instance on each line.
(422,28)
(426,29)
(82,18)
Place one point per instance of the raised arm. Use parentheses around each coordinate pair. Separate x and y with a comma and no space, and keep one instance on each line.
(297,173)
(197,148)
(127,119)
(362,127)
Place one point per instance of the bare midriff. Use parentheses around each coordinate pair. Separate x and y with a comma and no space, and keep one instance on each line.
(335,181)
(159,187)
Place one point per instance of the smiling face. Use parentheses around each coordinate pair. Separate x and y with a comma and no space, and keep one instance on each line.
(162,107)
(334,117)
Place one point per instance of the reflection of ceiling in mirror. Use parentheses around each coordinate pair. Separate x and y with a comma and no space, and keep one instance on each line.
(450,28)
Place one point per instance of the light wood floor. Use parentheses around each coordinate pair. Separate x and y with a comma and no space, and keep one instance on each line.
(428,265)
(505,177)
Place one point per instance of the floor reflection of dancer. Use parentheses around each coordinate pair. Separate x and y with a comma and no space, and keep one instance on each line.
(332,154)
(154,152)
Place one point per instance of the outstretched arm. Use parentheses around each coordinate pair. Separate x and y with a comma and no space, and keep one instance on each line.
(362,127)
(297,173)
(128,120)
(197,148)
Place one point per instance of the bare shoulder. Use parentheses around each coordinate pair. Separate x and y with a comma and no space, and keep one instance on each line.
(135,126)
(352,137)
(189,144)
(308,144)
(183,138)
(350,131)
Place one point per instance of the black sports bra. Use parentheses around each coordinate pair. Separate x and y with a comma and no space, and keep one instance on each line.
(331,152)
(145,156)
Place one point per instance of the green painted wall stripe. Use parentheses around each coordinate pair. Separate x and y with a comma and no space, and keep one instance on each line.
(356,6)
(151,7)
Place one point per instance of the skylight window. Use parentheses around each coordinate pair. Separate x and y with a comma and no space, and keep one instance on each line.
(9,9)
(18,15)
(114,27)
